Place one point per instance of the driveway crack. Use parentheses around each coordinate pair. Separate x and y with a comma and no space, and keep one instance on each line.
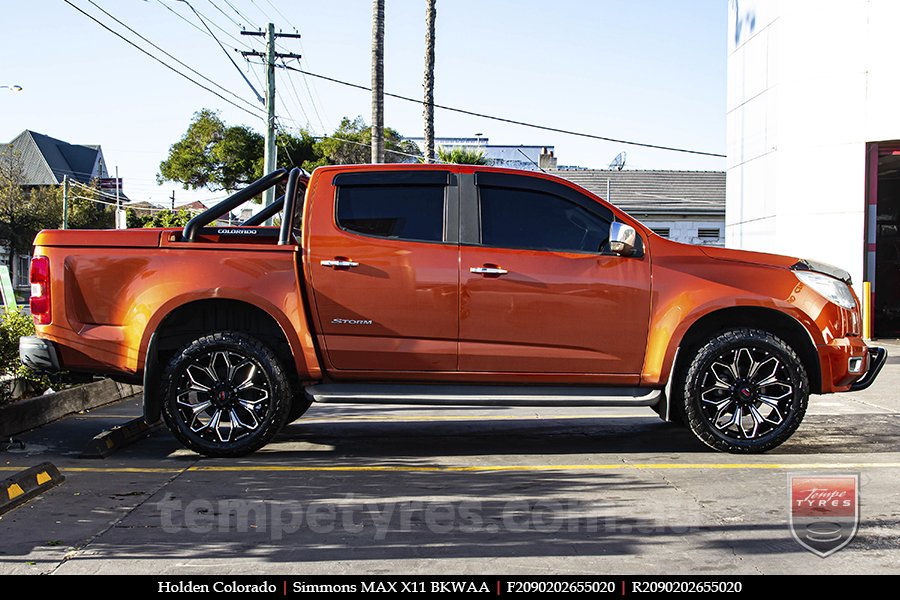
(78,550)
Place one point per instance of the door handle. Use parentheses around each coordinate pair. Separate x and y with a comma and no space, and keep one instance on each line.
(488,270)
(338,264)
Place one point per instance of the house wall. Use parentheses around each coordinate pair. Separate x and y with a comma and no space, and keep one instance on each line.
(687,230)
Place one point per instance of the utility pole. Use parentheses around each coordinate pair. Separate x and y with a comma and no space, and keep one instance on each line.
(173,200)
(271,150)
(270,56)
(65,223)
(121,223)
(377,81)
(430,16)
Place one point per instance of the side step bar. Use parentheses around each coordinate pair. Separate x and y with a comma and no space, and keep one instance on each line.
(482,395)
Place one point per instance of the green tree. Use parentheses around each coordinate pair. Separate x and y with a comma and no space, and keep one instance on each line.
(462,156)
(15,221)
(216,156)
(298,150)
(351,144)
(161,218)
(213,156)
(88,208)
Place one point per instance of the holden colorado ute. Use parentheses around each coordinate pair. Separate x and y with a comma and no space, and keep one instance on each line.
(443,285)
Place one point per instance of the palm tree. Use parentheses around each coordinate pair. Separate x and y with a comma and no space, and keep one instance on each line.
(430,16)
(377,81)
(458,155)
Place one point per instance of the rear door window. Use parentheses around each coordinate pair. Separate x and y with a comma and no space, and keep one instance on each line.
(402,212)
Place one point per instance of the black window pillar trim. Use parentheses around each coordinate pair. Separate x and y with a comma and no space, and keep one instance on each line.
(451,210)
(469,213)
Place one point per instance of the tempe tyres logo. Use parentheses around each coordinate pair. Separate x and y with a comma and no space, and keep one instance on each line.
(824,511)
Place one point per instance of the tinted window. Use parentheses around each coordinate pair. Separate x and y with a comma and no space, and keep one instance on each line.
(512,218)
(403,212)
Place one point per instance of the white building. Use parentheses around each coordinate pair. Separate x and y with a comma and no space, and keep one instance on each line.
(813,132)
(530,158)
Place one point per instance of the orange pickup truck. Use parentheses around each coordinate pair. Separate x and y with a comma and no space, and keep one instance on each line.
(445,285)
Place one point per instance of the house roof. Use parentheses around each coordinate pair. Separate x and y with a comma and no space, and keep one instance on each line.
(46,160)
(637,192)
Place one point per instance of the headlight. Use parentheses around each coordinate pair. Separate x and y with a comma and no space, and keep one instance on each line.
(829,288)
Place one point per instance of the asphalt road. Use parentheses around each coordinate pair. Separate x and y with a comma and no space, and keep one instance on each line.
(412,490)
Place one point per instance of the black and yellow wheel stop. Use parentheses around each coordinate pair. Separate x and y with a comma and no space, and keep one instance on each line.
(25,485)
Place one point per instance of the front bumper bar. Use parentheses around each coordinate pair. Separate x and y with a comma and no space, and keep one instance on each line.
(877,358)
(38,355)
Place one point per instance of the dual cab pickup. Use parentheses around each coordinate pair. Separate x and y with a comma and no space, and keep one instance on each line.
(440,284)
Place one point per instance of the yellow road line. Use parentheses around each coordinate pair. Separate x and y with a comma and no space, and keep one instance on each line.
(479,468)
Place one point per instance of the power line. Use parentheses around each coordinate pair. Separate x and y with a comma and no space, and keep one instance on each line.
(259,98)
(194,25)
(240,14)
(208,20)
(94,190)
(264,13)
(141,208)
(186,66)
(310,90)
(313,90)
(531,160)
(270,56)
(226,15)
(386,150)
(356,143)
(309,94)
(511,121)
(95,200)
(297,100)
(312,102)
(284,146)
(109,196)
(163,63)
(280,14)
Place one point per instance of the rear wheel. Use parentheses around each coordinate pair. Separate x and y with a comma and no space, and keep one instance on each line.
(226,394)
(746,391)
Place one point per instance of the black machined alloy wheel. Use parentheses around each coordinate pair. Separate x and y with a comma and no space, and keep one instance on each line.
(226,395)
(746,391)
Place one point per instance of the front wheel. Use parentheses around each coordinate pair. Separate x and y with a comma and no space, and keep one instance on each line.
(226,395)
(745,392)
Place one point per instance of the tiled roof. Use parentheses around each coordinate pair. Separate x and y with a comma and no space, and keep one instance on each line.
(46,160)
(656,192)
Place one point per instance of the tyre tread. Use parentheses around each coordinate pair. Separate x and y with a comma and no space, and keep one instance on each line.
(281,393)
(694,417)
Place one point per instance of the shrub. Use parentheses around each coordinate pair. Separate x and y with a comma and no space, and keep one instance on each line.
(13,325)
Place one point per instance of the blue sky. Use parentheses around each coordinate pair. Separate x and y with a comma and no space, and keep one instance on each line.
(645,70)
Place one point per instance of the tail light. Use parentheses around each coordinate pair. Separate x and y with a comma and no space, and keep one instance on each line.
(40,290)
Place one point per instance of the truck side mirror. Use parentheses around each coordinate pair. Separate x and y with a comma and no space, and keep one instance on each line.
(622,239)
